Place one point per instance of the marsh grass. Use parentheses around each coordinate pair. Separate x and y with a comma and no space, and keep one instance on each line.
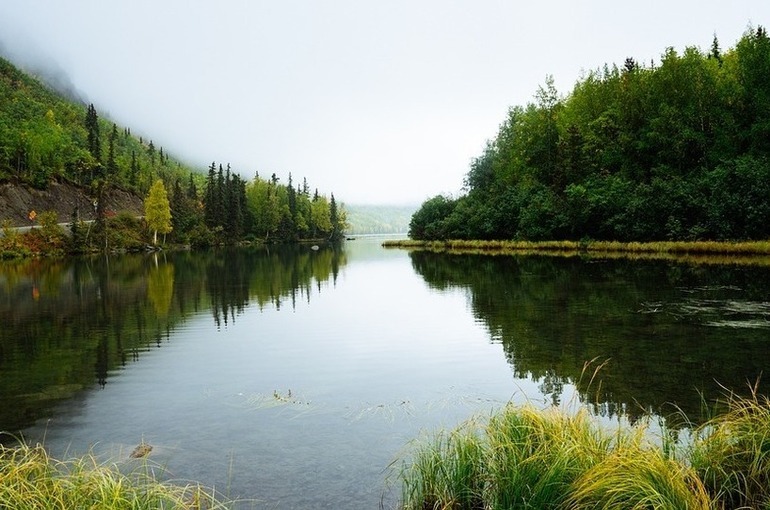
(447,471)
(731,453)
(636,474)
(31,479)
(535,456)
(523,457)
(705,252)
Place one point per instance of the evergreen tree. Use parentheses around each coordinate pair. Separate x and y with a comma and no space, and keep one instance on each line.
(151,152)
(92,129)
(112,166)
(192,189)
(209,197)
(134,171)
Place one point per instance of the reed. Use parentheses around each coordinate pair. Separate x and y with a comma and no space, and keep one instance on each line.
(31,480)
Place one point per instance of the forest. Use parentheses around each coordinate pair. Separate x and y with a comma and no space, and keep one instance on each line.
(47,137)
(672,150)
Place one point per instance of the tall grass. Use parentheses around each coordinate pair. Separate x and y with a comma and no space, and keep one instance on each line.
(31,480)
(731,454)
(637,475)
(522,457)
(535,456)
(447,472)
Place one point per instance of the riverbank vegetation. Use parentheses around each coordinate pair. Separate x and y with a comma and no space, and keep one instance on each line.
(522,457)
(748,252)
(31,479)
(46,138)
(670,150)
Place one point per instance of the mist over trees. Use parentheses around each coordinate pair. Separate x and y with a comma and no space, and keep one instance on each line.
(674,150)
(46,137)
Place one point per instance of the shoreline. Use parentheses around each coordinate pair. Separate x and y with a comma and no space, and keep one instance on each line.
(704,252)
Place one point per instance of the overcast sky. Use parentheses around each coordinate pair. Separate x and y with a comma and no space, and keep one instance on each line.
(381,101)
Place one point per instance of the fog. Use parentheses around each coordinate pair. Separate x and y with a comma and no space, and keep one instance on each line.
(377,102)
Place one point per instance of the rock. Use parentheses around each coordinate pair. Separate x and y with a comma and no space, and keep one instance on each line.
(16,202)
(140,451)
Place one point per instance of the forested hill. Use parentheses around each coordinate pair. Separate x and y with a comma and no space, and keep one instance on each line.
(379,219)
(46,138)
(677,149)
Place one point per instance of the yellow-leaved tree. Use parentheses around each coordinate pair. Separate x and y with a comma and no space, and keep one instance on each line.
(157,211)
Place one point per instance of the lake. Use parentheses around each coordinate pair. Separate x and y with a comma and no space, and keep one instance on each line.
(297,378)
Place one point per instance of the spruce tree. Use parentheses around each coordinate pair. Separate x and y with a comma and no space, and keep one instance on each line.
(92,128)
(112,166)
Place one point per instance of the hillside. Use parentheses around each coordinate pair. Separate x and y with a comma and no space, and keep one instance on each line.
(17,201)
(52,158)
(378,219)
(58,155)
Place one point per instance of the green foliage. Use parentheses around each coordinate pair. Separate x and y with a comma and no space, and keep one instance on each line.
(283,213)
(678,150)
(157,211)
(44,136)
(430,221)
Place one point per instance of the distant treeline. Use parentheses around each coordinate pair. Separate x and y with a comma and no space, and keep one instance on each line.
(678,150)
(45,136)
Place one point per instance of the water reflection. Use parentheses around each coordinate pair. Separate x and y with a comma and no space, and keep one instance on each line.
(663,336)
(70,323)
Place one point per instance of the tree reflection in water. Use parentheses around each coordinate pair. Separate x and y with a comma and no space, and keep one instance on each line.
(560,318)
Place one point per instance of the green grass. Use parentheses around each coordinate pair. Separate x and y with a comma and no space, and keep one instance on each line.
(732,454)
(31,480)
(525,458)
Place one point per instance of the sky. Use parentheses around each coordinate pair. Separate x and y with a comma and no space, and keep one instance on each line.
(377,102)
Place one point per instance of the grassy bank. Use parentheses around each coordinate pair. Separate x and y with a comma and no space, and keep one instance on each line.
(755,252)
(522,457)
(31,479)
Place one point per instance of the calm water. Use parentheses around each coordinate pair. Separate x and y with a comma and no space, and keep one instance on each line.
(293,378)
